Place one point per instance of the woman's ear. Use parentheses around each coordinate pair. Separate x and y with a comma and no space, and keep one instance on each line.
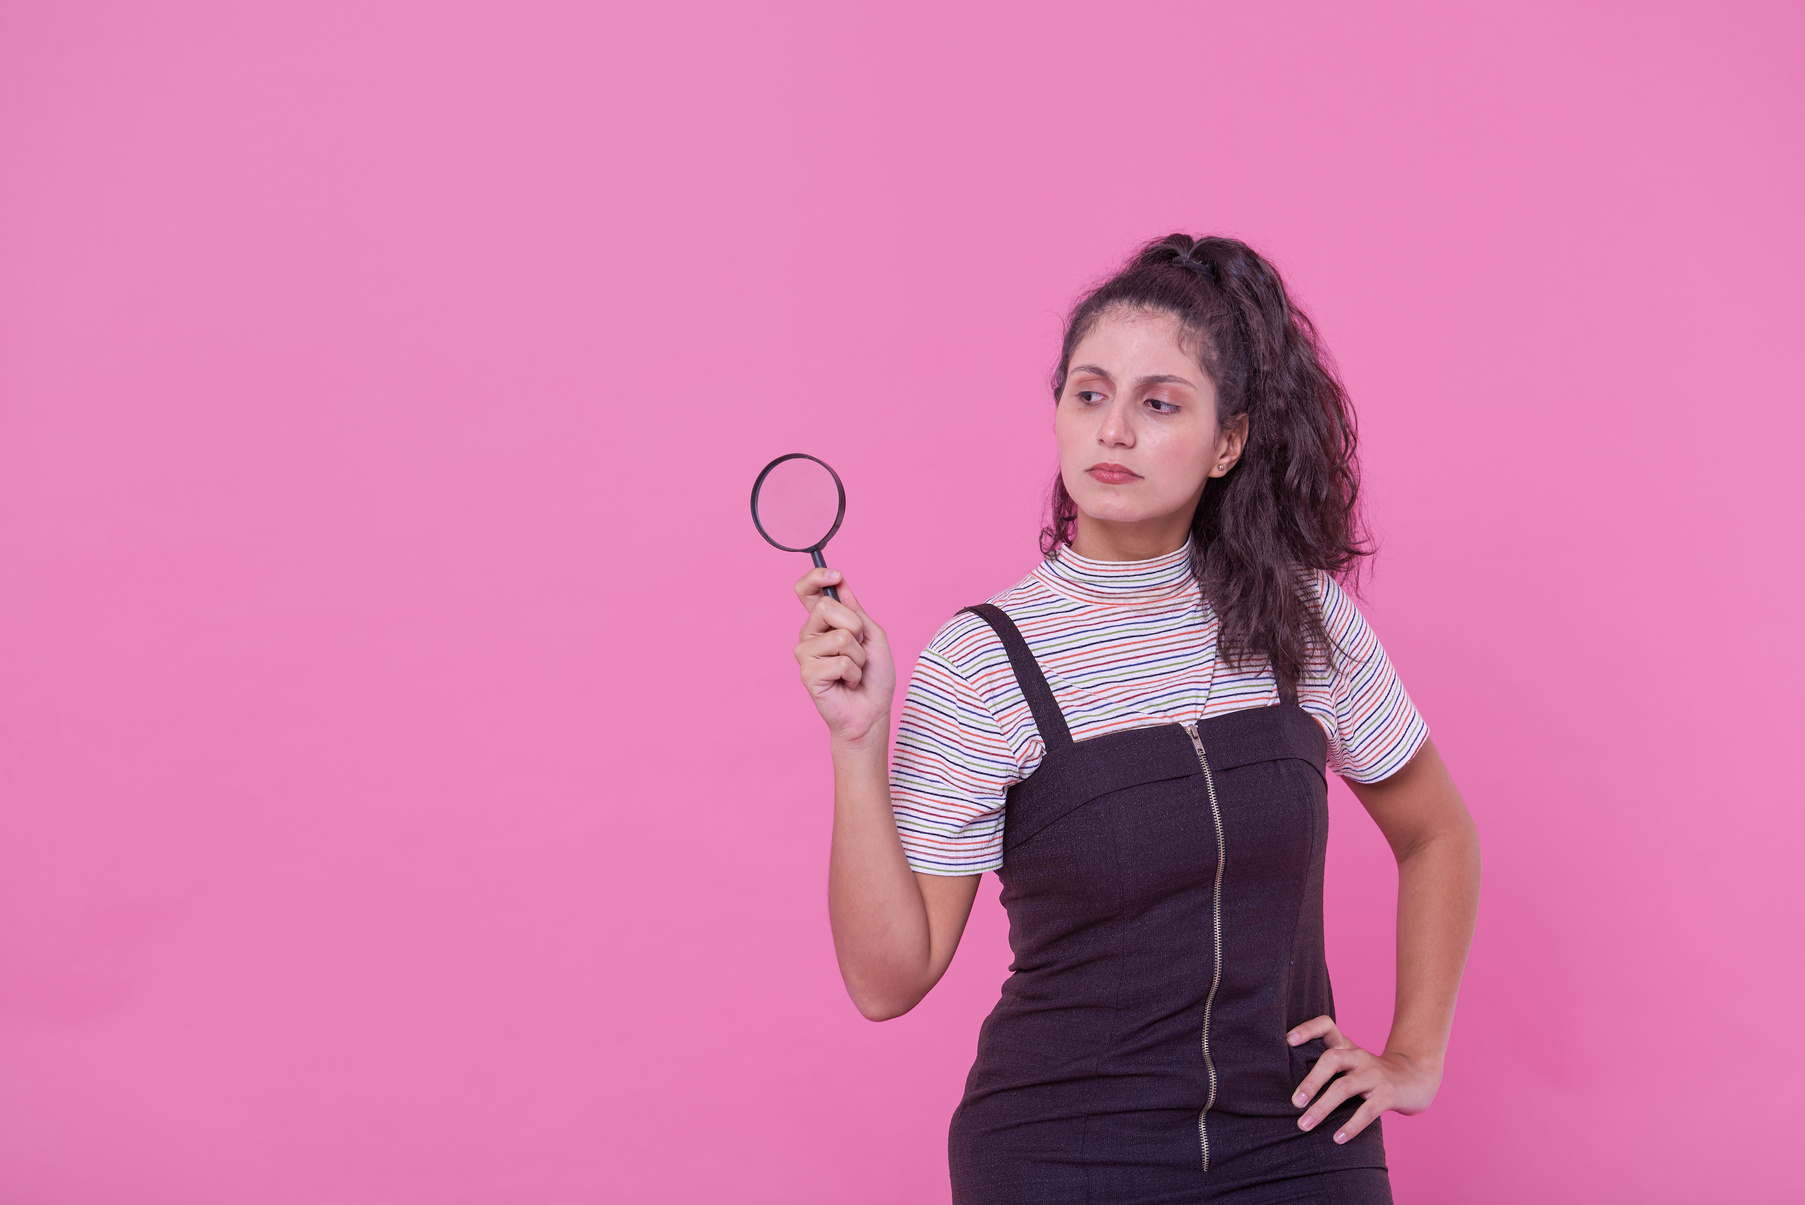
(1229,443)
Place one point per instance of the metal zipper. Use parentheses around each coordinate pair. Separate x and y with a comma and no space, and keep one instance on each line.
(1209,783)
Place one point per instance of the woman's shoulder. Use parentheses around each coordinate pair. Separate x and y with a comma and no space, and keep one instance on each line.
(1354,647)
(1340,614)
(967,641)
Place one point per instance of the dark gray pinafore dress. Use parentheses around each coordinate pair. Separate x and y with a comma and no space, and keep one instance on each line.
(1164,892)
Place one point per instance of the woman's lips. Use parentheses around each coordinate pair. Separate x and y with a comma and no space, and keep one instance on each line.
(1112,474)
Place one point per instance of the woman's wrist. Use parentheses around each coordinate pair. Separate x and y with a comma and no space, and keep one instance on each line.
(874,740)
(1419,1058)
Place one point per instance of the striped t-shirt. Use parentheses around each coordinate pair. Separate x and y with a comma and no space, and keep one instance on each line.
(1123,644)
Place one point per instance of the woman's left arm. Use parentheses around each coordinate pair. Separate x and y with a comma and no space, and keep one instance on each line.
(1437,848)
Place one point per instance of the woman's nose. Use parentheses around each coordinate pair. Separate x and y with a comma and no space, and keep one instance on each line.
(1117,428)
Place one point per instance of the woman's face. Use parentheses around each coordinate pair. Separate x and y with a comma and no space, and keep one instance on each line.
(1137,432)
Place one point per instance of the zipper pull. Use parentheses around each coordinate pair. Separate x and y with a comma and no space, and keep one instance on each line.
(1191,731)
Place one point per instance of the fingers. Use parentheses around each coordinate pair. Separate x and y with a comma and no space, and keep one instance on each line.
(823,672)
(1344,1070)
(835,643)
(845,614)
(1317,1027)
(839,646)
(1364,1116)
(833,656)
(1337,1091)
(1332,1062)
(1341,1059)
(826,615)
(1360,1075)
(810,586)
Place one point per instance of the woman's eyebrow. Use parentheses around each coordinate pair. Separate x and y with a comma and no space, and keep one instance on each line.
(1167,379)
(1093,370)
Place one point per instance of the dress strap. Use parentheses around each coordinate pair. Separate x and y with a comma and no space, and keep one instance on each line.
(1047,716)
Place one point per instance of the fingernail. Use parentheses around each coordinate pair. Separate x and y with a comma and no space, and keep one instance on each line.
(1300,1100)
(1341,1138)
(1304,1123)
(833,575)
(1294,1038)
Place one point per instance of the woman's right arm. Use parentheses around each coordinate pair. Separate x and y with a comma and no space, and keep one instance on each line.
(894,930)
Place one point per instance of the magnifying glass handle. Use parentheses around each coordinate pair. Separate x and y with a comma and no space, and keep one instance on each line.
(815,556)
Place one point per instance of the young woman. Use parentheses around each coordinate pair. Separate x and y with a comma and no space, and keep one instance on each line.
(1135,738)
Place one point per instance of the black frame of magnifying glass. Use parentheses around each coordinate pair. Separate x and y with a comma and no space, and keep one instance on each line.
(839,516)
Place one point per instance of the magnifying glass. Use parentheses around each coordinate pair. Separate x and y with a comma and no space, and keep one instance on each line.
(797,504)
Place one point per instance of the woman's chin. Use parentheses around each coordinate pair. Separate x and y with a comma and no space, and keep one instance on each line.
(1120,512)
(1130,526)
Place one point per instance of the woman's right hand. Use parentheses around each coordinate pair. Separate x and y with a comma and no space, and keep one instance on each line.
(845,661)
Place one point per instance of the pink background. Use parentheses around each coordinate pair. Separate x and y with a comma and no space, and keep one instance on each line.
(405,795)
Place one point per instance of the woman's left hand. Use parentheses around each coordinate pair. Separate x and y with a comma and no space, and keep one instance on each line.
(1387,1081)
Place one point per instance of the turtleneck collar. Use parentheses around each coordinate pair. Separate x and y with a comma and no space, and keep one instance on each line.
(1119,583)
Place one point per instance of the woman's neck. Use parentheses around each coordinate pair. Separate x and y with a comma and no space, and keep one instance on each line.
(1102,540)
(1155,582)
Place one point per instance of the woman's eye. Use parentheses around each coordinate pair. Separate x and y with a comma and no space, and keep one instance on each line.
(1161,406)
(1090,397)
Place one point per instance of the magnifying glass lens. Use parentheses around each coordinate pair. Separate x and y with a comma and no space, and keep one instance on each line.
(798,503)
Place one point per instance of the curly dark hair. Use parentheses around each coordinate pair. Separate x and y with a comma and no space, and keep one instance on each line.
(1289,506)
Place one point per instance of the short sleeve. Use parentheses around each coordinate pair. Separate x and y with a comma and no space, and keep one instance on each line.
(950,774)
(1377,727)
